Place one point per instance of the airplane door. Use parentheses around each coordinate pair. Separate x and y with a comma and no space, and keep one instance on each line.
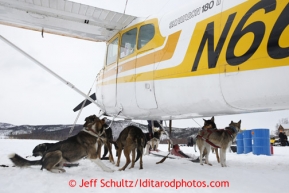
(98,91)
(144,85)
(109,77)
(144,69)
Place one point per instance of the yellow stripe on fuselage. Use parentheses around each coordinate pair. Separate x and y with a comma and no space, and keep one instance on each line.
(161,55)
(259,60)
(255,36)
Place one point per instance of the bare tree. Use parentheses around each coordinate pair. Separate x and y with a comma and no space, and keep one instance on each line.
(276,129)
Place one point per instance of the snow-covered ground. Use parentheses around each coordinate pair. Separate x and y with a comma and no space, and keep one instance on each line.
(245,173)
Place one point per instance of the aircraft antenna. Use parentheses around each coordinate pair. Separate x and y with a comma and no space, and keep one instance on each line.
(125,6)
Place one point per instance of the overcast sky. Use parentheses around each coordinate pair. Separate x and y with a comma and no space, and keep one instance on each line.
(30,95)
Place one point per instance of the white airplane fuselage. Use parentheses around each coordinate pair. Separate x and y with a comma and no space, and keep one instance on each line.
(208,58)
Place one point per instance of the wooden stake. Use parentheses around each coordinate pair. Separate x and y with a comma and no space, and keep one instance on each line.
(170,133)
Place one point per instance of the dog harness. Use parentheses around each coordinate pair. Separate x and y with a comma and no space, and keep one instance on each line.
(89,130)
(210,131)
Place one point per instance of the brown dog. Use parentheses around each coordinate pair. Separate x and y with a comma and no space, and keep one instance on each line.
(84,144)
(208,124)
(130,139)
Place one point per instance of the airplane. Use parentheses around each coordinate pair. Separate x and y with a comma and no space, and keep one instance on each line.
(203,59)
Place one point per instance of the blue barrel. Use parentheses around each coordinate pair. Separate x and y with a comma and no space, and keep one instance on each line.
(247,140)
(240,144)
(261,141)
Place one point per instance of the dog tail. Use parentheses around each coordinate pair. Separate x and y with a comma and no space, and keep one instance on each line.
(21,162)
(140,146)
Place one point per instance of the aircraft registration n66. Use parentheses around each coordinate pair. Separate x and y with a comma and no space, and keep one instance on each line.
(206,58)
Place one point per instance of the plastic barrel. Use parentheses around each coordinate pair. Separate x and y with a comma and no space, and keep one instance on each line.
(240,144)
(261,141)
(247,140)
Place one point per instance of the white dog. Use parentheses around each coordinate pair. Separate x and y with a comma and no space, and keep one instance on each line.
(153,143)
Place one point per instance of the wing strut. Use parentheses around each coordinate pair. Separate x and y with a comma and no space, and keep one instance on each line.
(48,70)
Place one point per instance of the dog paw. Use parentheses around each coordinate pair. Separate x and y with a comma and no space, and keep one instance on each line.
(59,170)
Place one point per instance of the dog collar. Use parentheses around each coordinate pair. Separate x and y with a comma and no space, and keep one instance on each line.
(89,130)
(234,129)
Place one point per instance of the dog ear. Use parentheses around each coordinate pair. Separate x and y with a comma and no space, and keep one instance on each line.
(87,118)
(213,119)
(239,122)
(204,120)
(102,121)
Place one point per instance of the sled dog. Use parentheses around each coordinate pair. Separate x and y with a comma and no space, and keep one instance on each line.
(153,143)
(41,149)
(131,139)
(207,124)
(219,138)
(85,144)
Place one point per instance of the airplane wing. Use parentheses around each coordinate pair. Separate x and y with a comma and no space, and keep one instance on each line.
(63,17)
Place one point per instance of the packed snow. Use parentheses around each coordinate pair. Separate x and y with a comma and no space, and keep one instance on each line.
(245,173)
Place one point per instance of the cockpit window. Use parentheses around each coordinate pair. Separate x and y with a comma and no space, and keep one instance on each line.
(128,42)
(112,50)
(146,33)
